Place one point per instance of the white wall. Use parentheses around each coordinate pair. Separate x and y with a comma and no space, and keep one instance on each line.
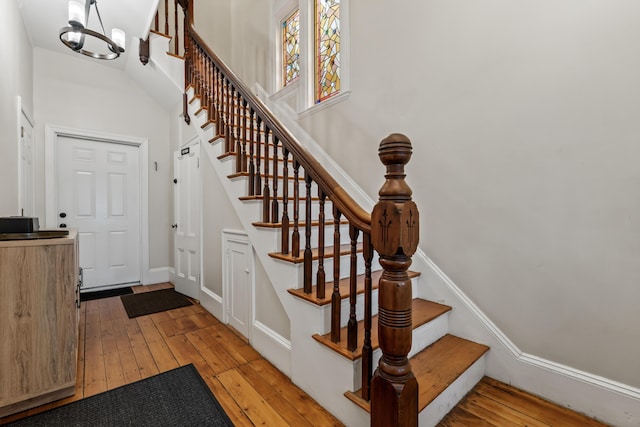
(523,118)
(213,21)
(15,80)
(73,92)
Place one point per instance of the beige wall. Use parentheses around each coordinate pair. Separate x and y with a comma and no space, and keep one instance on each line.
(15,80)
(73,92)
(523,117)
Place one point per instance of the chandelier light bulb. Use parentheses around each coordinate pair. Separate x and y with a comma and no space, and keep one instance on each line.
(118,37)
(76,14)
(74,37)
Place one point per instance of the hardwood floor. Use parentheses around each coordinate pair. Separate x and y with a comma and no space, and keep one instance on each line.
(115,350)
(492,403)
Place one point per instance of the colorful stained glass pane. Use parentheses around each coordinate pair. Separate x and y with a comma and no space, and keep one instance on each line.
(291,48)
(327,76)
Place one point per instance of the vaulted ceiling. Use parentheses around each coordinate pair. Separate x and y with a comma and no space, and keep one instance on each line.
(44,19)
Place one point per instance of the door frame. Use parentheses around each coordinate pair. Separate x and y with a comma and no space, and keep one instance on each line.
(51,134)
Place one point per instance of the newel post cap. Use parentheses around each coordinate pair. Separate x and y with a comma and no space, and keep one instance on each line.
(395,219)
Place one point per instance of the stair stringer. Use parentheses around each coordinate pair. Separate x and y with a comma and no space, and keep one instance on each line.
(608,400)
(163,77)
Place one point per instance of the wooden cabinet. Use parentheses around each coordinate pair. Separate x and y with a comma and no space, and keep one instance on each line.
(38,321)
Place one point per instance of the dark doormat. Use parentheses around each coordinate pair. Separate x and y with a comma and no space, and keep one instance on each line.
(88,296)
(175,398)
(153,302)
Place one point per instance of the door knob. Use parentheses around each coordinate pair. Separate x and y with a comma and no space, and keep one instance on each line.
(63,225)
(174,225)
(63,214)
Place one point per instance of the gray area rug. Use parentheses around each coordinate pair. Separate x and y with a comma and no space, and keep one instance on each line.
(153,302)
(175,398)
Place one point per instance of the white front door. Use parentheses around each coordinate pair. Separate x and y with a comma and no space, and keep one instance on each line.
(27,172)
(238,279)
(186,224)
(98,192)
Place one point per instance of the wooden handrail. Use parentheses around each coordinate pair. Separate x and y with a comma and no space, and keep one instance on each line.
(356,215)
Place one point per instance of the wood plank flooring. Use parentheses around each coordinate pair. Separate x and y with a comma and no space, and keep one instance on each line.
(495,404)
(115,350)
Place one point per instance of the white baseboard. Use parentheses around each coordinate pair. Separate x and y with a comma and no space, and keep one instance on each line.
(598,397)
(273,346)
(156,275)
(212,302)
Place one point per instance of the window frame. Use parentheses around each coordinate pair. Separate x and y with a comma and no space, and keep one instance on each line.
(304,88)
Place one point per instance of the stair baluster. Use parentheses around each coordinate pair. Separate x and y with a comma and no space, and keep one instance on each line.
(227,116)
(352,326)
(207,99)
(166,17)
(295,236)
(321,275)
(258,184)
(367,348)
(237,123)
(266,191)
(252,171)
(218,101)
(335,296)
(308,256)
(275,214)
(243,154)
(284,244)
(176,40)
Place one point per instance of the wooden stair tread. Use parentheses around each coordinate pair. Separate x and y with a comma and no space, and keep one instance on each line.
(422,312)
(344,288)
(436,368)
(175,56)
(328,253)
(440,364)
(160,34)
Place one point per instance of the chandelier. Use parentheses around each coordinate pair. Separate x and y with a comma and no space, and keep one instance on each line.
(74,36)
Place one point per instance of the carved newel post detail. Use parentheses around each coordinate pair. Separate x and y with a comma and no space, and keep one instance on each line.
(394,234)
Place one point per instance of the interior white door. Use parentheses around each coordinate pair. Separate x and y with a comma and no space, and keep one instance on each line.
(238,284)
(98,192)
(186,225)
(27,172)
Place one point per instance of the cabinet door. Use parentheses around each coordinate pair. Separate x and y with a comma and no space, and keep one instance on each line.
(38,323)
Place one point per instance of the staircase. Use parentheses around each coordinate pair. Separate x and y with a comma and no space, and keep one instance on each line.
(350,311)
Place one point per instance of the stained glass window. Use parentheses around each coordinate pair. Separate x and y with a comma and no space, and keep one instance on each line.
(291,48)
(327,78)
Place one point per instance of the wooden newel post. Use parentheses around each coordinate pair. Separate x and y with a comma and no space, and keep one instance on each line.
(394,234)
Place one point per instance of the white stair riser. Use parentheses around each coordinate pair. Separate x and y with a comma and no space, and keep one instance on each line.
(448,399)
(345,309)
(422,337)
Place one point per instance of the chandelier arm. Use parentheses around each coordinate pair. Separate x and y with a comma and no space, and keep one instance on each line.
(95,2)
